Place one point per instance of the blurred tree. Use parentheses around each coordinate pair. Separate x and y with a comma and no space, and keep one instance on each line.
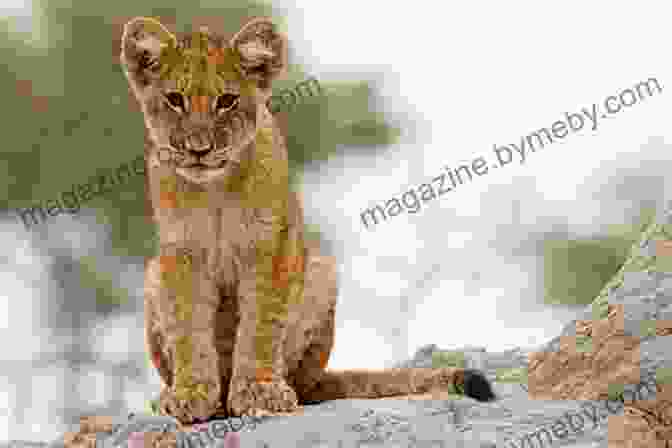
(70,103)
(448,359)
(108,296)
(512,375)
(576,270)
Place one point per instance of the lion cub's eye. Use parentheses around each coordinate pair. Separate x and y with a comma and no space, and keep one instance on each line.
(148,62)
(175,100)
(226,102)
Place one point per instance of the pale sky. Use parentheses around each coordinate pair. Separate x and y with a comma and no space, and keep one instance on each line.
(475,74)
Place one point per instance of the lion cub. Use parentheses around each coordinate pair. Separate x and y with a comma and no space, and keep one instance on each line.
(239,312)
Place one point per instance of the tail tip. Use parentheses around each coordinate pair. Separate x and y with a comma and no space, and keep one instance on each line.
(477,386)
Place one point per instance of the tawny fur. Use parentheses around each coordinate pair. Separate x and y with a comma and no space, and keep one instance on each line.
(221,234)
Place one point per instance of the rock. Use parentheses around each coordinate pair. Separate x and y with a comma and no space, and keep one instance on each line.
(625,343)
(425,351)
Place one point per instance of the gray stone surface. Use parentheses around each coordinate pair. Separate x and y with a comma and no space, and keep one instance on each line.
(510,422)
(432,423)
(507,422)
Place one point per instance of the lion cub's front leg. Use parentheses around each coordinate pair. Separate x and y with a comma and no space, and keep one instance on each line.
(186,308)
(258,385)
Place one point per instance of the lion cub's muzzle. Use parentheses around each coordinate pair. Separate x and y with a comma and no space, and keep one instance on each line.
(199,142)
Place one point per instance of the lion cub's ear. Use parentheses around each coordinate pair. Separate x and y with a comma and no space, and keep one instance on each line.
(141,45)
(262,50)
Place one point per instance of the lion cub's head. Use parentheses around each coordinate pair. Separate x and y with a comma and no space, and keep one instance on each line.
(202,98)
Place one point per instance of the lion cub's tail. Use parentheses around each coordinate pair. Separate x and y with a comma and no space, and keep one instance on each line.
(336,384)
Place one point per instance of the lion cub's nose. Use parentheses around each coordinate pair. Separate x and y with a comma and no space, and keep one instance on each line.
(198,145)
(200,154)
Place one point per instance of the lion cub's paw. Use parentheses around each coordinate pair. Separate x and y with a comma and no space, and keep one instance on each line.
(188,406)
(259,398)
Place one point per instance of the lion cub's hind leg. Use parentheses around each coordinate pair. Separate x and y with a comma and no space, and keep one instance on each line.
(313,338)
(311,369)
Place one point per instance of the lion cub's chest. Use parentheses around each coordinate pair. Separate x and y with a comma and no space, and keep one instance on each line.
(221,228)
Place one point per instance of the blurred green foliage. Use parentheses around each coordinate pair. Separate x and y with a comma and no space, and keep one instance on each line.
(648,327)
(615,392)
(448,359)
(664,375)
(584,344)
(576,270)
(512,375)
(108,295)
(71,115)
(152,407)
